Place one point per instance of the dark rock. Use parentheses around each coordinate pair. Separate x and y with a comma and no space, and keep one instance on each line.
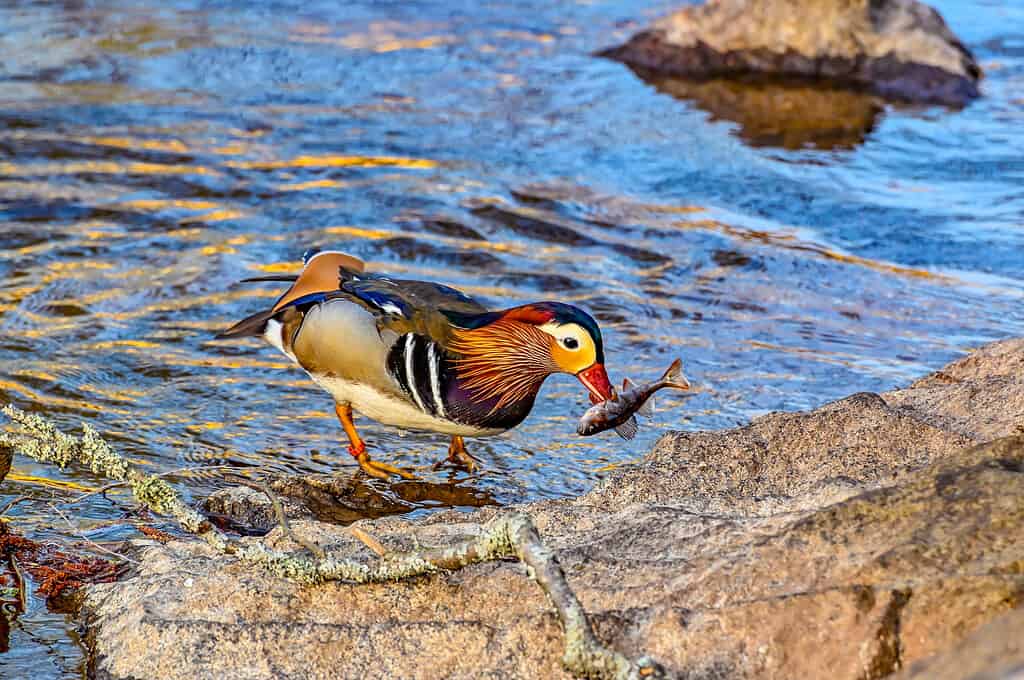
(899,49)
(865,537)
(6,456)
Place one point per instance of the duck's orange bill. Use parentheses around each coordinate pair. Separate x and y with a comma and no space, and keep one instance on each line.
(596,381)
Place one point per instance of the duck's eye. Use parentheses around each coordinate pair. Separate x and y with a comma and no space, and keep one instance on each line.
(570,343)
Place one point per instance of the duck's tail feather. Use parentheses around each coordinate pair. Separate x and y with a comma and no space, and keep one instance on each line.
(251,326)
(322,272)
(290,278)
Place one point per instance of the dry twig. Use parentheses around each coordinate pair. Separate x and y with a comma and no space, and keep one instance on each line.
(282,518)
(88,540)
(369,541)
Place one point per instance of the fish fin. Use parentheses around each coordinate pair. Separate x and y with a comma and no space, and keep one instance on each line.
(647,408)
(674,376)
(627,430)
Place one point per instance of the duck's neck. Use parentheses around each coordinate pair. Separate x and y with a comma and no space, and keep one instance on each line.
(497,370)
(489,413)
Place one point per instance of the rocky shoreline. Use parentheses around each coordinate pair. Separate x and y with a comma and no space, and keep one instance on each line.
(876,535)
(898,49)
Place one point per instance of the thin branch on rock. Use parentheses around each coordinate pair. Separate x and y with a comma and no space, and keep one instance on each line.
(506,536)
(88,540)
(369,540)
(282,518)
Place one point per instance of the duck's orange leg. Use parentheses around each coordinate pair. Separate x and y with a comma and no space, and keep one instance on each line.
(357,447)
(458,456)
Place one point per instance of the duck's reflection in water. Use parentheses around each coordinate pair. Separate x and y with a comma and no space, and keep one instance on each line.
(343,499)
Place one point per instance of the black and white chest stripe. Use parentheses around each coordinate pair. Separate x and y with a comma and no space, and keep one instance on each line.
(419,366)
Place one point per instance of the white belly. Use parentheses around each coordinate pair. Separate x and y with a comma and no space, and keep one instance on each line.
(393,411)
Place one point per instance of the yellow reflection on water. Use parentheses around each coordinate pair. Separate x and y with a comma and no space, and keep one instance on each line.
(102,168)
(314,184)
(164,203)
(792,242)
(46,481)
(377,43)
(171,145)
(125,395)
(215,216)
(525,35)
(359,232)
(278,267)
(112,344)
(334,162)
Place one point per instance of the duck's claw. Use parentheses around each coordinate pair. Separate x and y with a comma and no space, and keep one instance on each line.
(376,468)
(459,457)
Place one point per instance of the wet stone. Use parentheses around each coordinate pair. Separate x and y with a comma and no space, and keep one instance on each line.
(878,534)
(898,49)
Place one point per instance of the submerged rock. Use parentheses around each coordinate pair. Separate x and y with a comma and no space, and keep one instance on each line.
(900,49)
(873,535)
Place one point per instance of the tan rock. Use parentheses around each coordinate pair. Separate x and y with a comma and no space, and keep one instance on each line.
(849,542)
(994,651)
(898,48)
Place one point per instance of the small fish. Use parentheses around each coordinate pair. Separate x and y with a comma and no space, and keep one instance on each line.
(618,411)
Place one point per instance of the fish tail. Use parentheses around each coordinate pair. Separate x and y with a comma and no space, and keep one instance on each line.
(674,376)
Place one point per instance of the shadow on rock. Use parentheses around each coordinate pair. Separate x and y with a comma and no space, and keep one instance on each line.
(336,500)
(788,113)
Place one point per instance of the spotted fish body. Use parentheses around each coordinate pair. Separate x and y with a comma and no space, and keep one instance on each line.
(619,412)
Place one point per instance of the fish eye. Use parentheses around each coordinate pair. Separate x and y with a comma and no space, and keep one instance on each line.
(570,343)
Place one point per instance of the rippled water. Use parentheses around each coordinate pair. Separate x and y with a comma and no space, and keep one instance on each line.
(151,154)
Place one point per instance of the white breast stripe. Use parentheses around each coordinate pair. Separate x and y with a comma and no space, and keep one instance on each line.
(435,383)
(410,377)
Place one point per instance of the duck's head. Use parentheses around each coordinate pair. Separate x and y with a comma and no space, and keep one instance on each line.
(527,343)
(574,341)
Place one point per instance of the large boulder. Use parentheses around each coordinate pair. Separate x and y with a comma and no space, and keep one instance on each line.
(874,535)
(901,49)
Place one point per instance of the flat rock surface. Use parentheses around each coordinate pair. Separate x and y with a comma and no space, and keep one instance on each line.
(897,48)
(875,535)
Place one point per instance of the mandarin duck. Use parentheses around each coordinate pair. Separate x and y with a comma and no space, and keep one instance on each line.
(420,355)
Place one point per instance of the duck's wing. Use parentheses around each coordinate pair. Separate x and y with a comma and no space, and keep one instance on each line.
(338,319)
(408,306)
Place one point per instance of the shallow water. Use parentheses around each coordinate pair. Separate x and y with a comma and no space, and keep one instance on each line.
(152,154)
